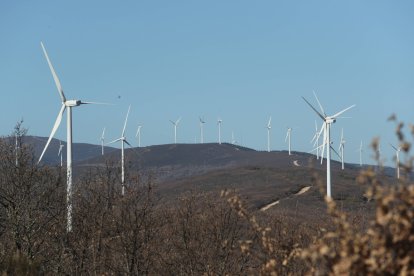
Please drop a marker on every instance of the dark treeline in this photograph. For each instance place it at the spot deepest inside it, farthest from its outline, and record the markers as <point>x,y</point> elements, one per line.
<point>198,233</point>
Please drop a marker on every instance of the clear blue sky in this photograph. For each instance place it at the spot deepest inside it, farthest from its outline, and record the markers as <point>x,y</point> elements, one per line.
<point>241,60</point>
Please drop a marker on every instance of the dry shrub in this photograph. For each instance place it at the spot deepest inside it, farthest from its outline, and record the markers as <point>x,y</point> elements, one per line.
<point>385,247</point>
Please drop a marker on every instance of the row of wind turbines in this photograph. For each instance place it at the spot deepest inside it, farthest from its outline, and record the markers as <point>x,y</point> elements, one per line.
<point>67,105</point>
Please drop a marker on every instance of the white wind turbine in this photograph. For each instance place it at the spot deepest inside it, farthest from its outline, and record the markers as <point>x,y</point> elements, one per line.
<point>326,128</point>
<point>60,153</point>
<point>175,124</point>
<point>315,140</point>
<point>219,121</point>
<point>341,147</point>
<point>103,140</point>
<point>397,159</point>
<point>269,126</point>
<point>123,141</point>
<point>138,135</point>
<point>202,122</point>
<point>288,136</point>
<point>66,105</point>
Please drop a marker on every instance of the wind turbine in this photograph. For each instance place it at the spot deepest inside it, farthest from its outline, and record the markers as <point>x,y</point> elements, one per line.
<point>175,128</point>
<point>341,147</point>
<point>66,105</point>
<point>315,139</point>
<point>123,141</point>
<point>219,121</point>
<point>288,135</point>
<point>326,128</point>
<point>60,153</point>
<point>202,122</point>
<point>397,159</point>
<point>138,134</point>
<point>269,126</point>
<point>103,140</point>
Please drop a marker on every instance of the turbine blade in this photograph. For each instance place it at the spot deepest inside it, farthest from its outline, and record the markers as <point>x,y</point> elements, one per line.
<point>55,127</point>
<point>126,142</point>
<point>55,77</point>
<point>319,103</point>
<point>314,109</point>
<point>126,119</point>
<point>340,112</point>
<point>178,121</point>
<point>270,121</point>
<point>324,141</point>
<point>172,122</point>
<point>103,133</point>
<point>287,134</point>
<point>82,102</point>
<point>393,147</point>
<point>116,140</point>
<point>336,152</point>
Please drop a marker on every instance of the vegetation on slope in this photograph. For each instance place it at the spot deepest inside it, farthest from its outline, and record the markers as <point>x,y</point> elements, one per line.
<point>198,233</point>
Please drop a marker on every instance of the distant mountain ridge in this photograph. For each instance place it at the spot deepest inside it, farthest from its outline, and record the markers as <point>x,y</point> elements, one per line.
<point>175,161</point>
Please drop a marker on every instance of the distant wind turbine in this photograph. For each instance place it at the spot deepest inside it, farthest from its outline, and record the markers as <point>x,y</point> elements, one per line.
<point>288,137</point>
<point>202,122</point>
<point>175,124</point>
<point>326,128</point>
<point>341,147</point>
<point>60,153</point>
<point>103,140</point>
<point>138,135</point>
<point>397,159</point>
<point>269,126</point>
<point>123,141</point>
<point>66,105</point>
<point>219,121</point>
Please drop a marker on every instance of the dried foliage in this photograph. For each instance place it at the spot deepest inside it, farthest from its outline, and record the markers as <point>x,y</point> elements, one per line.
<point>199,233</point>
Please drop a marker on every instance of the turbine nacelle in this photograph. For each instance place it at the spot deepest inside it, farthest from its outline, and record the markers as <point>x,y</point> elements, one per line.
<point>72,103</point>
<point>330,120</point>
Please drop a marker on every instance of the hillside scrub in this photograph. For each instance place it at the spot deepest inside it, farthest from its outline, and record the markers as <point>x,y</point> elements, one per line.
<point>384,247</point>
<point>197,233</point>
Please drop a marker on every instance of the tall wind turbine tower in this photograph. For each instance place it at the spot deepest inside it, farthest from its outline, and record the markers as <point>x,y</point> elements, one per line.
<point>326,128</point>
<point>202,122</point>
<point>60,153</point>
<point>103,140</point>
<point>397,159</point>
<point>66,105</point>
<point>219,121</point>
<point>138,135</point>
<point>123,142</point>
<point>360,154</point>
<point>341,147</point>
<point>288,136</point>
<point>175,124</point>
